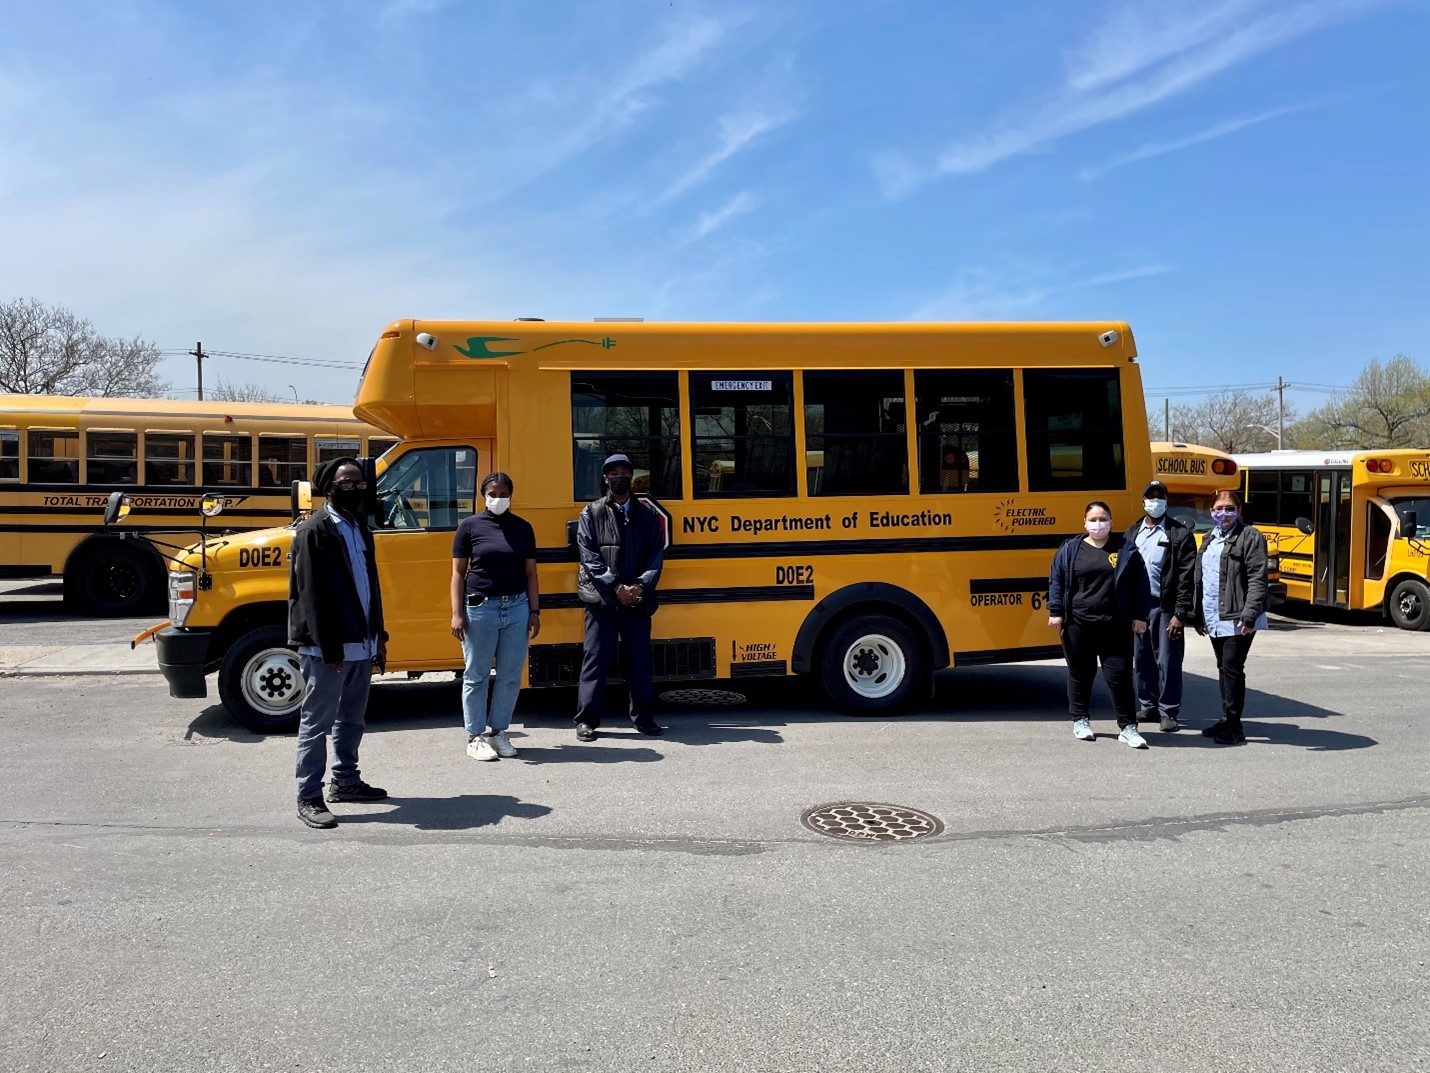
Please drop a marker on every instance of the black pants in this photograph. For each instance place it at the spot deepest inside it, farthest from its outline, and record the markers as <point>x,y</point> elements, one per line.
<point>1231,671</point>
<point>603,626</point>
<point>1084,644</point>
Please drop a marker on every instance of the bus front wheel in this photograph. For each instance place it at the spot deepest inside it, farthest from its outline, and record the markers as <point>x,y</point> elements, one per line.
<point>115,578</point>
<point>1409,605</point>
<point>260,681</point>
<point>873,665</point>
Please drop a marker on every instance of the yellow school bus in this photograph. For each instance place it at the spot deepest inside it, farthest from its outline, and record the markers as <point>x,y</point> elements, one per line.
<point>1352,528</point>
<point>858,503</point>
<point>1193,476</point>
<point>60,457</point>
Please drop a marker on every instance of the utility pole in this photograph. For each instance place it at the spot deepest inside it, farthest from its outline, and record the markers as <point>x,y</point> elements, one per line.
<point>1166,419</point>
<point>1281,387</point>
<point>198,353</point>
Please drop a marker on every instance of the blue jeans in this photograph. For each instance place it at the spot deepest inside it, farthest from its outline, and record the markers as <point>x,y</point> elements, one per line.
<point>334,705</point>
<point>496,631</point>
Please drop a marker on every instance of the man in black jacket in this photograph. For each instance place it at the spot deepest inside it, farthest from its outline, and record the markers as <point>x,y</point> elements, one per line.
<point>622,548</point>
<point>1169,549</point>
<point>335,620</point>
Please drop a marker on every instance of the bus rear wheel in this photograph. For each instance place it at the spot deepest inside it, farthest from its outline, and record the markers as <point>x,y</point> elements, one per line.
<point>114,579</point>
<point>260,681</point>
<point>873,665</point>
<point>1409,605</point>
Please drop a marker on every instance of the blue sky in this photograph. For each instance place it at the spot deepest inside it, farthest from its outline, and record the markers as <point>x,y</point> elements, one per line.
<point>1245,181</point>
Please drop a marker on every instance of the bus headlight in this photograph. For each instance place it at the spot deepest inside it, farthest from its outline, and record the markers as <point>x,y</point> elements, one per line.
<point>182,587</point>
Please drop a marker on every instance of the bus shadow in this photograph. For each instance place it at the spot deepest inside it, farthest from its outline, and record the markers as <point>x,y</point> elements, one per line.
<point>465,812</point>
<point>1299,616</point>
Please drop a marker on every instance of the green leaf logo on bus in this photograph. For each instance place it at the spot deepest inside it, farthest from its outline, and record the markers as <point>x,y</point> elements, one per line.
<point>479,346</point>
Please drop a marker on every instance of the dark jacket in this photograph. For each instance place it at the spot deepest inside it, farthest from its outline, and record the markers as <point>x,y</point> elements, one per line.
<point>1178,588</point>
<point>323,606</point>
<point>1241,593</point>
<point>615,552</point>
<point>1129,578</point>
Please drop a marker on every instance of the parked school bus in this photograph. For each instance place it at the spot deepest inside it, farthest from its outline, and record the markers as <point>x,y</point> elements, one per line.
<point>862,504</point>
<point>60,456</point>
<point>1193,476</point>
<point>1351,528</point>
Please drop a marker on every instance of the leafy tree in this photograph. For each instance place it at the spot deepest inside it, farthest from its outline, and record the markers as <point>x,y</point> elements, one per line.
<point>1387,405</point>
<point>246,392</point>
<point>47,350</point>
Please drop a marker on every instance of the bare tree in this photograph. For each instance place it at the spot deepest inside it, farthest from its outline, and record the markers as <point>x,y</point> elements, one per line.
<point>1387,405</point>
<point>246,392</point>
<point>47,350</point>
<point>1230,421</point>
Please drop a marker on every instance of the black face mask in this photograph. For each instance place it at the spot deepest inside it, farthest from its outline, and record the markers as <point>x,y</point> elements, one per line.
<point>348,500</point>
<point>619,486</point>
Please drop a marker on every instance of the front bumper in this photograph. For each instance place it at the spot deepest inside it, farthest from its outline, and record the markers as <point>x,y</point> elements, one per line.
<point>1275,593</point>
<point>182,655</point>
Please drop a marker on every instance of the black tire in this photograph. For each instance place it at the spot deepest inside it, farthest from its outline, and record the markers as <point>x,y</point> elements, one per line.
<point>874,665</point>
<point>115,578</point>
<point>1409,604</point>
<point>260,683</point>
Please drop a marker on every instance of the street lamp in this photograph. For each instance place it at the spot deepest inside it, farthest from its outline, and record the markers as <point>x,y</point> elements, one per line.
<point>295,392</point>
<point>1268,428</point>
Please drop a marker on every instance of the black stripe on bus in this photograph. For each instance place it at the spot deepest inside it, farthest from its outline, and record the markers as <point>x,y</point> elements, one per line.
<point>281,513</point>
<point>1006,655</point>
<point>214,531</point>
<point>1007,584</point>
<point>195,490</point>
<point>745,594</point>
<point>877,546</point>
<point>1298,555</point>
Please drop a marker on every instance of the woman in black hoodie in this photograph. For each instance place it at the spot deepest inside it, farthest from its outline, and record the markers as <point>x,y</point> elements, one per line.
<point>1098,597</point>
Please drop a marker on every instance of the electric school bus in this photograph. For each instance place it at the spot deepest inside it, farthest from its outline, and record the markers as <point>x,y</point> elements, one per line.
<point>861,504</point>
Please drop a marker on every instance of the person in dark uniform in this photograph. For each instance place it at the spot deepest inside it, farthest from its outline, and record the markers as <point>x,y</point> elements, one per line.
<point>621,543</point>
<point>335,622</point>
<point>1169,551</point>
<point>1098,598</point>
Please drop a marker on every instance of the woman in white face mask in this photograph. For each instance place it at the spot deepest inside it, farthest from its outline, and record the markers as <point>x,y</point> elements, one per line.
<point>1098,597</point>
<point>496,612</point>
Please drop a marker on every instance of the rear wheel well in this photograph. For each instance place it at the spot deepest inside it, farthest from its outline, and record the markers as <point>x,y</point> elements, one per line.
<point>240,621</point>
<point>134,557</point>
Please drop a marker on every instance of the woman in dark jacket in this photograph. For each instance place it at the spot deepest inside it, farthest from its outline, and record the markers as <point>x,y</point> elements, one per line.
<point>1098,597</point>
<point>1231,605</point>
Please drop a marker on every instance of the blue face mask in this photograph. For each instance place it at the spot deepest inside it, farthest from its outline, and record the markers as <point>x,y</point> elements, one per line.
<point>1224,519</point>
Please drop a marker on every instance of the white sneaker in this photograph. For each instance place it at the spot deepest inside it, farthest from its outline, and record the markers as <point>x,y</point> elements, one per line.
<point>1082,730</point>
<point>478,749</point>
<point>1132,736</point>
<point>498,740</point>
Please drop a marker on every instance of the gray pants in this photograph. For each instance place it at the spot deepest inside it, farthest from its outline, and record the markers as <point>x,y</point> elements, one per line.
<point>1157,664</point>
<point>334,702</point>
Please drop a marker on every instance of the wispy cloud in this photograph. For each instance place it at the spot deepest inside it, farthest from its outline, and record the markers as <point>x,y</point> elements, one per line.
<point>1185,47</point>
<point>738,132</point>
<point>1219,130</point>
<point>712,221</point>
<point>990,293</point>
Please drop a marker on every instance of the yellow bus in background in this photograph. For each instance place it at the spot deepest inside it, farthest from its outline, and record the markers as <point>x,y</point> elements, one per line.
<point>61,456</point>
<point>1351,528</point>
<point>1193,476</point>
<point>859,503</point>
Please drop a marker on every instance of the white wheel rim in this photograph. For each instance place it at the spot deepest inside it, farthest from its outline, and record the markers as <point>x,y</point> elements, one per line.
<point>874,666</point>
<point>273,681</point>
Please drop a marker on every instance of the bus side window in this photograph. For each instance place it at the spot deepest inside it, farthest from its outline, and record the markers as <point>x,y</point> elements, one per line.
<point>54,456</point>
<point>427,488</point>
<point>113,457</point>
<point>634,414</point>
<point>1074,420</point>
<point>168,458</point>
<point>743,425</point>
<point>855,442</point>
<point>9,454</point>
<point>228,460</point>
<point>968,439</point>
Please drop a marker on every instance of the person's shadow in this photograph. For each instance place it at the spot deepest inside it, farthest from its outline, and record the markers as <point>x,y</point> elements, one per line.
<point>463,813</point>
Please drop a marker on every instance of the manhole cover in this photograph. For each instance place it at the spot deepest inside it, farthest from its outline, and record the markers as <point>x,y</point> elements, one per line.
<point>710,697</point>
<point>858,821</point>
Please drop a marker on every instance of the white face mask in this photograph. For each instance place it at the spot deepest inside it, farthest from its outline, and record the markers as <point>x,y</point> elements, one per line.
<point>498,504</point>
<point>1155,508</point>
<point>1098,530</point>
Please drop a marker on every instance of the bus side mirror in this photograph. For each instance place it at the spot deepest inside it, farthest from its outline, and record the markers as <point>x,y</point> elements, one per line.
<point>212,506</point>
<point>1304,526</point>
<point>300,499</point>
<point>116,508</point>
<point>1409,524</point>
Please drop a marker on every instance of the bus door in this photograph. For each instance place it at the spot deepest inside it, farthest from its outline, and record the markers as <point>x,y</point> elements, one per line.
<point>1333,537</point>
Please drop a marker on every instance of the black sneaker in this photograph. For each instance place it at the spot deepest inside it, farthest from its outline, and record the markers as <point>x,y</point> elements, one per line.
<point>1231,734</point>
<point>355,791</point>
<point>314,813</point>
<point>649,727</point>
<point>1215,729</point>
<point>585,732</point>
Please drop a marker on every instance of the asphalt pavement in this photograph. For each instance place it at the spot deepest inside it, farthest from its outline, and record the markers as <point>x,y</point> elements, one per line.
<point>657,904</point>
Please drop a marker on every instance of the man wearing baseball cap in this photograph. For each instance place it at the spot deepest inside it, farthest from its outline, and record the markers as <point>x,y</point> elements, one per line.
<point>622,547</point>
<point>1169,550</point>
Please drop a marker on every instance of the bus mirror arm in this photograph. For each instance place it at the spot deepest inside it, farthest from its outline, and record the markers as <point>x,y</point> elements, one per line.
<point>1304,526</point>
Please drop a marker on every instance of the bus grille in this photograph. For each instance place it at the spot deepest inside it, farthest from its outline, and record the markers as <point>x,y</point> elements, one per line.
<point>676,660</point>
